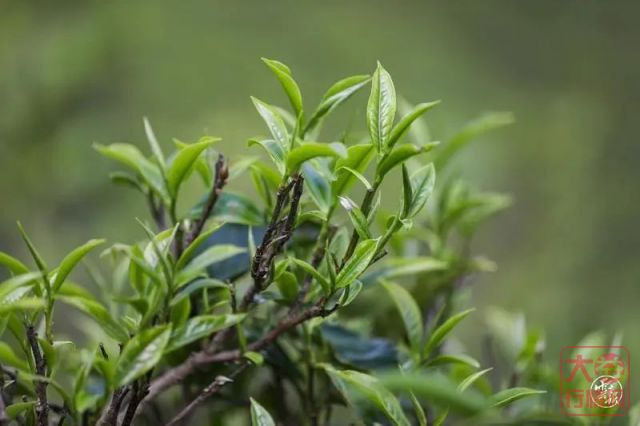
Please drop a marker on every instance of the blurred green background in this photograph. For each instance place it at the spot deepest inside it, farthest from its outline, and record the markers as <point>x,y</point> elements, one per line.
<point>76,72</point>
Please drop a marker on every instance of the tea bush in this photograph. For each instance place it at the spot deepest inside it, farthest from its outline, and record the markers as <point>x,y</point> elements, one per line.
<point>293,304</point>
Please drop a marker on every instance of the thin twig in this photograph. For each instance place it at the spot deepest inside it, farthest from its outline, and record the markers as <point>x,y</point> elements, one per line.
<point>109,416</point>
<point>220,180</point>
<point>202,358</point>
<point>213,388</point>
<point>42,406</point>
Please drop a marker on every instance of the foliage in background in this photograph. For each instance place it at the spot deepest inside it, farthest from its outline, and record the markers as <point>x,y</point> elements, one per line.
<point>276,307</point>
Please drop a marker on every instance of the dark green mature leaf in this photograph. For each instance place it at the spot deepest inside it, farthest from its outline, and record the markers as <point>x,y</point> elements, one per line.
<point>472,130</point>
<point>372,389</point>
<point>141,354</point>
<point>310,150</point>
<point>407,192</point>
<point>402,154</point>
<point>403,125</point>
<point>153,143</point>
<point>232,207</point>
<point>274,122</point>
<point>358,158</point>
<point>283,73</point>
<point>410,313</point>
<point>184,161</point>
<point>508,396</point>
<point>337,94</point>
<point>422,184</point>
<point>200,326</point>
<point>275,150</point>
<point>381,109</point>
<point>259,415</point>
<point>359,221</point>
<point>99,313</point>
<point>357,350</point>
<point>357,263</point>
<point>435,388</point>
<point>131,157</point>
<point>71,260</point>
<point>441,332</point>
<point>14,265</point>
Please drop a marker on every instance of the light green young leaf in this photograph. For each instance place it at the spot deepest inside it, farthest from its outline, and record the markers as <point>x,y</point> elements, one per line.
<point>318,186</point>
<point>141,354</point>
<point>259,415</point>
<point>14,410</point>
<point>15,266</point>
<point>403,125</point>
<point>71,260</point>
<point>358,176</point>
<point>373,390</point>
<point>359,221</point>
<point>200,284</point>
<point>454,359</point>
<point>22,305</point>
<point>18,286</point>
<point>288,285</point>
<point>42,266</point>
<point>357,159</point>
<point>275,150</point>
<point>508,396</point>
<point>422,184</point>
<point>9,358</point>
<point>350,293</point>
<point>337,94</point>
<point>401,154</point>
<point>438,335</point>
<point>274,122</point>
<point>99,313</point>
<point>410,313</point>
<point>471,379</point>
<point>472,130</point>
<point>256,358</point>
<point>381,109</point>
<point>310,150</point>
<point>191,249</point>
<point>183,163</point>
<point>211,255</point>
<point>402,266</point>
<point>283,73</point>
<point>153,143</point>
<point>200,326</point>
<point>324,283</point>
<point>357,263</point>
<point>437,389</point>
<point>131,157</point>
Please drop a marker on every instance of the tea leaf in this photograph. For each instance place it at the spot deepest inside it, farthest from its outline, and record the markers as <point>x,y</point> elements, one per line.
<point>275,151</point>
<point>357,159</point>
<point>283,73</point>
<point>99,313</point>
<point>200,326</point>
<point>441,332</point>
<point>153,143</point>
<point>183,163</point>
<point>310,150</point>
<point>358,219</point>
<point>141,354</point>
<point>71,260</point>
<point>274,122</point>
<point>471,379</point>
<point>381,108</point>
<point>14,265</point>
<point>410,313</point>
<point>400,155</point>
<point>357,263</point>
<point>403,125</point>
<point>259,415</point>
<point>508,396</point>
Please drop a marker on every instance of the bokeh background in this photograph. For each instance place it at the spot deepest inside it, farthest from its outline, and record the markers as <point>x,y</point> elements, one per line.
<point>76,72</point>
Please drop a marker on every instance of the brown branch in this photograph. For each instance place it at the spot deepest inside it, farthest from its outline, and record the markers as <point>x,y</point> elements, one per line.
<point>213,388</point>
<point>220,180</point>
<point>109,416</point>
<point>276,236</point>
<point>42,406</point>
<point>202,358</point>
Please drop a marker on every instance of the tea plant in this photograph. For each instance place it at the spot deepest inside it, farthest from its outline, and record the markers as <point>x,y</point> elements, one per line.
<point>279,306</point>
